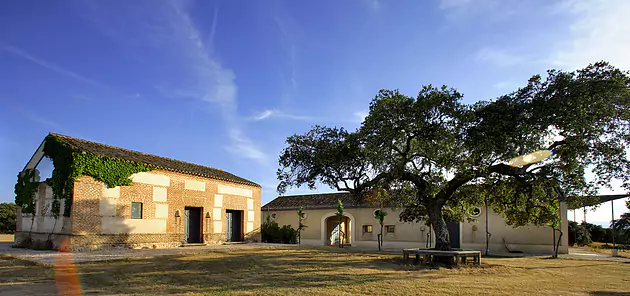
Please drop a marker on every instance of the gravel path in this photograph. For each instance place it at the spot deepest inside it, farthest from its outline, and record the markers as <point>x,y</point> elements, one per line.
<point>577,253</point>
<point>48,257</point>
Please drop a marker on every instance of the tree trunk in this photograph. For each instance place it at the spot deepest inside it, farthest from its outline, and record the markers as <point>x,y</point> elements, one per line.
<point>442,241</point>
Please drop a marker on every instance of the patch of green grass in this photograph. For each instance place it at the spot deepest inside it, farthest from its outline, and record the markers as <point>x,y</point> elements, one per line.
<point>328,271</point>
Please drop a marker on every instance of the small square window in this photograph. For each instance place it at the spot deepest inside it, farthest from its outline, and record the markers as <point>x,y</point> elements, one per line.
<point>367,228</point>
<point>136,210</point>
<point>390,228</point>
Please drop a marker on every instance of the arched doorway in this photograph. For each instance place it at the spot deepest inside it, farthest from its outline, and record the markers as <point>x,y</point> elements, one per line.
<point>337,232</point>
<point>330,220</point>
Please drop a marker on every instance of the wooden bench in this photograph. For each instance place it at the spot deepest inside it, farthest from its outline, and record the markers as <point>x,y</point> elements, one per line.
<point>426,254</point>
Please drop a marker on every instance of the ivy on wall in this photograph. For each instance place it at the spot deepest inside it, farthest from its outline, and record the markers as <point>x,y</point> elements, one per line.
<point>70,163</point>
<point>25,190</point>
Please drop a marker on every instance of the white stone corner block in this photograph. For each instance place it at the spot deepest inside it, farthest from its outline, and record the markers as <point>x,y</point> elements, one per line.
<point>161,211</point>
<point>159,194</point>
<point>107,207</point>
<point>231,190</point>
<point>250,216</point>
<point>153,179</point>
<point>217,214</point>
<point>111,192</point>
<point>194,185</point>
<point>250,227</point>
<point>217,227</point>
<point>218,200</point>
<point>250,204</point>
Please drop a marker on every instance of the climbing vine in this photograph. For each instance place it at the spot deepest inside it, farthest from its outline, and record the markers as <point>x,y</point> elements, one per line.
<point>70,163</point>
<point>25,189</point>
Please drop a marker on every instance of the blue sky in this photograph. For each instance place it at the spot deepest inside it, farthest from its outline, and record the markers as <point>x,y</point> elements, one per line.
<point>223,83</point>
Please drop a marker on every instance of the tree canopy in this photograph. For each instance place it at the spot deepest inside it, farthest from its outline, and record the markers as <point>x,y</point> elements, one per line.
<point>438,156</point>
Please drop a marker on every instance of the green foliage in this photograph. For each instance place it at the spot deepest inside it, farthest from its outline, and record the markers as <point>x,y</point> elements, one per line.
<point>8,212</point>
<point>288,234</point>
<point>340,216</point>
<point>25,190</point>
<point>579,234</point>
<point>439,157</point>
<point>301,226</point>
<point>271,232</point>
<point>380,215</point>
<point>70,164</point>
<point>623,223</point>
<point>300,213</point>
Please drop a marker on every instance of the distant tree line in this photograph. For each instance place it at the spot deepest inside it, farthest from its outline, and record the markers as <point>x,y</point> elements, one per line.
<point>586,233</point>
<point>8,212</point>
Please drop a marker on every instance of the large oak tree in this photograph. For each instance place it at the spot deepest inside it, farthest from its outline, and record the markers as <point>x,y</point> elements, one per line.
<point>438,156</point>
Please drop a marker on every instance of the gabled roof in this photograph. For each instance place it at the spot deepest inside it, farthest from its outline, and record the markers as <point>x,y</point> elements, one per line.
<point>314,201</point>
<point>157,162</point>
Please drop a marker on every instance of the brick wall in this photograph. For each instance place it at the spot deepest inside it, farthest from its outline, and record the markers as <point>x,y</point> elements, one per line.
<point>101,217</point>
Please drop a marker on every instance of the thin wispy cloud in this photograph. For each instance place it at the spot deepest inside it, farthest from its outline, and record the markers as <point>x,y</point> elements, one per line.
<point>289,47</point>
<point>360,115</point>
<point>453,4</point>
<point>167,30</point>
<point>599,31</point>
<point>49,65</point>
<point>275,113</point>
<point>243,146</point>
<point>38,119</point>
<point>504,85</point>
<point>498,57</point>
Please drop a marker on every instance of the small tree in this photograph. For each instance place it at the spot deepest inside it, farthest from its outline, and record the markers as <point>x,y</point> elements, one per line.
<point>301,226</point>
<point>380,216</point>
<point>7,217</point>
<point>340,224</point>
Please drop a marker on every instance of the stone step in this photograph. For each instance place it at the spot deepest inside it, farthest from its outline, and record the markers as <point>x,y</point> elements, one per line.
<point>193,245</point>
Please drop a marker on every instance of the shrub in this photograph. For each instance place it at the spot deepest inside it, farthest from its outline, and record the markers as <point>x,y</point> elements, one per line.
<point>289,235</point>
<point>270,232</point>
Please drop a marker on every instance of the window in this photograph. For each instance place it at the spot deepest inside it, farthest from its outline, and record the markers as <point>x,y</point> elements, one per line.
<point>274,216</point>
<point>367,228</point>
<point>136,210</point>
<point>390,228</point>
<point>476,212</point>
<point>304,215</point>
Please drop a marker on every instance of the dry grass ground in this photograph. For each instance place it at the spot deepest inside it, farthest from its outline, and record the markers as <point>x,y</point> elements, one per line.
<point>597,247</point>
<point>6,238</point>
<point>306,271</point>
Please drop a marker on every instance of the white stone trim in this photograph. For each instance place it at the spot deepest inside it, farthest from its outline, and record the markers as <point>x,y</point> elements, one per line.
<point>107,207</point>
<point>231,190</point>
<point>159,194</point>
<point>218,200</point>
<point>117,225</point>
<point>161,211</point>
<point>217,227</point>
<point>150,178</point>
<point>111,192</point>
<point>217,214</point>
<point>250,216</point>
<point>250,204</point>
<point>194,185</point>
<point>250,227</point>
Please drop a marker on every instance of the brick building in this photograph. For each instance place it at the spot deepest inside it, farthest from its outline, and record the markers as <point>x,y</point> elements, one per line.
<point>173,204</point>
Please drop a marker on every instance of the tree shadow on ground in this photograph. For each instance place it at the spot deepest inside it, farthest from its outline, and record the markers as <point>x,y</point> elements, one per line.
<point>224,272</point>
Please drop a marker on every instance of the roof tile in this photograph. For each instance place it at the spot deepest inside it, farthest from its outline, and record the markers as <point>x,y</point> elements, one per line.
<point>152,160</point>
